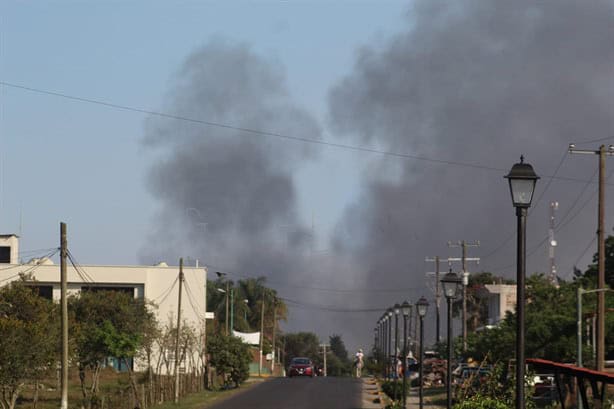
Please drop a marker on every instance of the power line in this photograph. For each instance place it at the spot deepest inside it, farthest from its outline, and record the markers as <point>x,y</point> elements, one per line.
<point>162,297</point>
<point>537,202</point>
<point>590,244</point>
<point>335,290</point>
<point>265,133</point>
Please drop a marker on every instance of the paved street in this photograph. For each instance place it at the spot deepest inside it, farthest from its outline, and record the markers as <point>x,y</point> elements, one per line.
<point>299,393</point>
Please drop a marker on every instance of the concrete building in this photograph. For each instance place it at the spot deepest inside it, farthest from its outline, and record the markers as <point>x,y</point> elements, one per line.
<point>158,284</point>
<point>501,299</point>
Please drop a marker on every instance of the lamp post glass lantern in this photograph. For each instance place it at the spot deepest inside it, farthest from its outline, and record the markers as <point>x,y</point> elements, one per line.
<point>422,306</point>
<point>406,309</point>
<point>522,180</point>
<point>450,283</point>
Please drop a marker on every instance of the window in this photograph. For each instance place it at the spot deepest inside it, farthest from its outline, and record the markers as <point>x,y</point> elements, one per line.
<point>5,254</point>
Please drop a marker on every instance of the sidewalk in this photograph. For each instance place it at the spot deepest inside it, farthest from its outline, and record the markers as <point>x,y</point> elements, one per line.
<point>371,394</point>
<point>374,398</point>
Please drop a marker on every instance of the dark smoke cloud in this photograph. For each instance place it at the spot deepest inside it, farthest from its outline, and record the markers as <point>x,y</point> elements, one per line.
<point>476,82</point>
<point>227,196</point>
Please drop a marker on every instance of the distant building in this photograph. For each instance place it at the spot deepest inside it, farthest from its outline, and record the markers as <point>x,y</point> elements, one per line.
<point>154,283</point>
<point>501,299</point>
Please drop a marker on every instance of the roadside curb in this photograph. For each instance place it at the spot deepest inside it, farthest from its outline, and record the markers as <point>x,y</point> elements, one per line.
<point>372,395</point>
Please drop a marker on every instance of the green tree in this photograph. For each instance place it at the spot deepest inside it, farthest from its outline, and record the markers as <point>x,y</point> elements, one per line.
<point>247,315</point>
<point>108,324</point>
<point>550,325</point>
<point>591,272</point>
<point>230,357</point>
<point>339,363</point>
<point>303,344</point>
<point>28,344</point>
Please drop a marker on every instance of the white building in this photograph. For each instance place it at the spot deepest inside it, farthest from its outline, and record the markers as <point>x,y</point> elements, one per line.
<point>501,299</point>
<point>158,284</point>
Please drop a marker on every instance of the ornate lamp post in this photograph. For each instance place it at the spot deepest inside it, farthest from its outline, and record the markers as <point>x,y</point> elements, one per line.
<point>450,283</point>
<point>522,180</point>
<point>406,308</point>
<point>397,310</point>
<point>389,348</point>
<point>422,306</point>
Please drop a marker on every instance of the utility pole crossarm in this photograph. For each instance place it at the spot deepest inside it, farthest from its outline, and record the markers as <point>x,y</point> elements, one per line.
<point>437,260</point>
<point>464,259</point>
<point>602,152</point>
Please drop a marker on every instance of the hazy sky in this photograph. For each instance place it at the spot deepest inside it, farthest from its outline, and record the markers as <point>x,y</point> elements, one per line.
<point>440,101</point>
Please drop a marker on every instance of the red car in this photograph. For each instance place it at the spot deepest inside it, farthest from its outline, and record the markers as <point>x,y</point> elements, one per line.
<point>301,367</point>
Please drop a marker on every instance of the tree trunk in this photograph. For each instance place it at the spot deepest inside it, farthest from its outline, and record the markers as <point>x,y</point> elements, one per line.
<point>133,384</point>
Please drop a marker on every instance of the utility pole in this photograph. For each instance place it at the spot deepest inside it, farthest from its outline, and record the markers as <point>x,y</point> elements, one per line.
<point>178,332</point>
<point>437,260</point>
<point>232,308</point>
<point>261,334</point>
<point>324,346</point>
<point>602,152</point>
<point>552,244</point>
<point>64,302</point>
<point>464,259</point>
<point>274,327</point>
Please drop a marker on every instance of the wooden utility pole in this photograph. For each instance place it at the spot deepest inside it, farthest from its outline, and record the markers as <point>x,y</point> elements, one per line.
<point>436,259</point>
<point>324,346</point>
<point>274,327</point>
<point>64,303</point>
<point>463,244</point>
<point>177,360</point>
<point>261,334</point>
<point>602,152</point>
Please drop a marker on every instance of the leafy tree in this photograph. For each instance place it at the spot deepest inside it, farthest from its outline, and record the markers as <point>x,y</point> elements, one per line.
<point>108,324</point>
<point>247,315</point>
<point>339,363</point>
<point>230,356</point>
<point>591,272</point>
<point>304,344</point>
<point>550,325</point>
<point>28,344</point>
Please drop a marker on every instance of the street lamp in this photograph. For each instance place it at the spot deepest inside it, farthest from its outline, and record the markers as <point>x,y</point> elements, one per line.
<point>397,310</point>
<point>450,283</point>
<point>219,276</point>
<point>246,302</point>
<point>422,306</point>
<point>406,308</point>
<point>522,180</point>
<point>389,348</point>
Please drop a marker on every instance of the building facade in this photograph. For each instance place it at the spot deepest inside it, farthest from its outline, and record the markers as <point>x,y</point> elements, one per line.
<point>157,284</point>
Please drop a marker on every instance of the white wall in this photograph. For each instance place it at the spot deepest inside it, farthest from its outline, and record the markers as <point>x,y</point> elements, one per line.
<point>154,283</point>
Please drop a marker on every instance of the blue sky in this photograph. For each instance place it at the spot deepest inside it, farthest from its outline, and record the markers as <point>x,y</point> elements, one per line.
<point>80,163</point>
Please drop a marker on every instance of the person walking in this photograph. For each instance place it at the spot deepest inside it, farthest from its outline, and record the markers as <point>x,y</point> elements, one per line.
<point>358,362</point>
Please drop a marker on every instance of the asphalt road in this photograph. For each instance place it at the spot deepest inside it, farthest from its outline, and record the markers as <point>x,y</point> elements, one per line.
<point>298,393</point>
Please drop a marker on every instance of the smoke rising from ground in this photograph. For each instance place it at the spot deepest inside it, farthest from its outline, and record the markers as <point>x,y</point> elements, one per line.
<point>471,82</point>
<point>480,83</point>
<point>227,196</point>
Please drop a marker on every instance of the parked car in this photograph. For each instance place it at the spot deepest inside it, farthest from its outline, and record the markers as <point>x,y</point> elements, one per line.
<point>301,366</point>
<point>469,381</point>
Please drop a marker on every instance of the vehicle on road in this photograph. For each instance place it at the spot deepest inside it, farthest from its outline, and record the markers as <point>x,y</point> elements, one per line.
<point>301,366</point>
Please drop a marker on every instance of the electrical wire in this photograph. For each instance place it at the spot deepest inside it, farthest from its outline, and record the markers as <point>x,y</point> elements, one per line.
<point>537,202</point>
<point>79,269</point>
<point>162,297</point>
<point>31,268</point>
<point>590,244</point>
<point>192,301</point>
<point>266,133</point>
<point>335,290</point>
